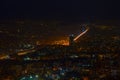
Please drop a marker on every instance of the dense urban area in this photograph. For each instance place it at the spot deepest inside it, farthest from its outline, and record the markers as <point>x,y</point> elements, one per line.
<point>48,50</point>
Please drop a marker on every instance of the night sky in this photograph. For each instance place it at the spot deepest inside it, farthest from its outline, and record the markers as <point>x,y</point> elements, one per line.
<point>58,9</point>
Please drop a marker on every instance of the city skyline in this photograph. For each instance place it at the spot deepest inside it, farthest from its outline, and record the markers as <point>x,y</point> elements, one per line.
<point>59,40</point>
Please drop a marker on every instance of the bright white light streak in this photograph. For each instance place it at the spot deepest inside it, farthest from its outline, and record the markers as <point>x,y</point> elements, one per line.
<point>81,34</point>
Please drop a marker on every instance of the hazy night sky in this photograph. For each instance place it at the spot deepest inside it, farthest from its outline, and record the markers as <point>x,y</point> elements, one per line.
<point>58,9</point>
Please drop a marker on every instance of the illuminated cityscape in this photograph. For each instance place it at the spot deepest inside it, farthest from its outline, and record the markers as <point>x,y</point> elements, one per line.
<point>59,40</point>
<point>92,55</point>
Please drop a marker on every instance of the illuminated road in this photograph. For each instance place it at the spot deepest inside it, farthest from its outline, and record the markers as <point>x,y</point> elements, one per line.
<point>25,52</point>
<point>81,34</point>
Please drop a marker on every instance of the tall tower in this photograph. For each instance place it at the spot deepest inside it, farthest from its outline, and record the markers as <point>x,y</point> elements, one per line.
<point>71,40</point>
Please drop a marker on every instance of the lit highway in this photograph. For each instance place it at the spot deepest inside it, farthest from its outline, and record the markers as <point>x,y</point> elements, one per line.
<point>81,34</point>
<point>25,52</point>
